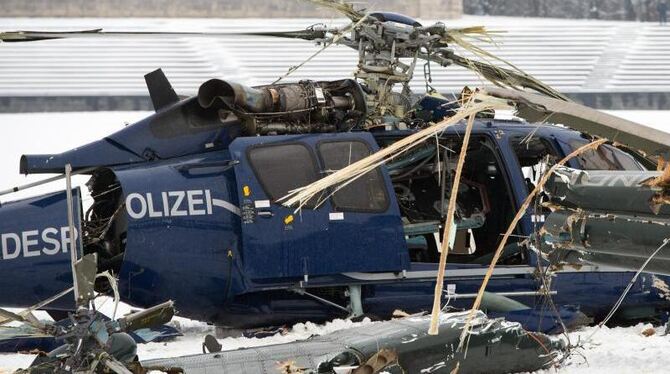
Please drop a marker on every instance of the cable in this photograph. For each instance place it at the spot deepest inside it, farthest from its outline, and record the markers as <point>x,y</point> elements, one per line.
<point>628,287</point>
<point>334,40</point>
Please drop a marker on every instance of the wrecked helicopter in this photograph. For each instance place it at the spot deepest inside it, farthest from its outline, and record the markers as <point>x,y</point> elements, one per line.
<point>187,201</point>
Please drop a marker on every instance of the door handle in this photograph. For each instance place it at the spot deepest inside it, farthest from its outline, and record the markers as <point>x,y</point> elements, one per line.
<point>265,214</point>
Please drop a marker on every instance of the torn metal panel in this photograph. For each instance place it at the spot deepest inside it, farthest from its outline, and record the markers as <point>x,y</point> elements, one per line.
<point>575,257</point>
<point>539,108</point>
<point>496,346</point>
<point>622,235</point>
<point>597,190</point>
<point>608,218</point>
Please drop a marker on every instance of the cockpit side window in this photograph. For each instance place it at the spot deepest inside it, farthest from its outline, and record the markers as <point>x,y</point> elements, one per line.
<point>365,194</point>
<point>535,155</point>
<point>283,167</point>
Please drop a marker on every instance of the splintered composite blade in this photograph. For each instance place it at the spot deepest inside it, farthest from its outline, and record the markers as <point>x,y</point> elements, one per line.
<point>507,77</point>
<point>343,7</point>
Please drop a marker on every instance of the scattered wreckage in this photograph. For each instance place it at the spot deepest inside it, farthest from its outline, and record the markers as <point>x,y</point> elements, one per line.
<point>93,344</point>
<point>585,226</point>
<point>89,341</point>
<point>397,346</point>
<point>200,181</point>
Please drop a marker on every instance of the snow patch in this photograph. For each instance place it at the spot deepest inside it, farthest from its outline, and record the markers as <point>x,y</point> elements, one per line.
<point>617,350</point>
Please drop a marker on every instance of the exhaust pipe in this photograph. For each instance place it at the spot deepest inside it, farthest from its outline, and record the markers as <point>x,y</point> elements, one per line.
<point>235,95</point>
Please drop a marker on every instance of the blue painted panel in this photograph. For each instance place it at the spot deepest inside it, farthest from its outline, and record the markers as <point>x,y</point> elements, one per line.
<point>35,249</point>
<point>182,240</point>
<point>593,293</point>
<point>180,130</point>
<point>315,243</point>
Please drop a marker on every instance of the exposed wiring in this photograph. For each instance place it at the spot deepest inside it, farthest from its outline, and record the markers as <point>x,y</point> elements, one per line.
<point>520,214</point>
<point>628,287</point>
<point>543,271</point>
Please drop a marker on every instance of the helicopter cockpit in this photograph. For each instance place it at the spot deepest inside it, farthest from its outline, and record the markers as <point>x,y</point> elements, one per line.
<point>422,180</point>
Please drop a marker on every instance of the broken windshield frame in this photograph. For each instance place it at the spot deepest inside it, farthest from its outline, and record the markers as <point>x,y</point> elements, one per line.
<point>606,157</point>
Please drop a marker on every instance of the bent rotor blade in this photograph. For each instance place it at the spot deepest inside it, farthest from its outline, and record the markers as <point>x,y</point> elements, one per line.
<point>29,319</point>
<point>536,108</point>
<point>503,77</point>
<point>40,305</point>
<point>30,36</point>
<point>11,316</point>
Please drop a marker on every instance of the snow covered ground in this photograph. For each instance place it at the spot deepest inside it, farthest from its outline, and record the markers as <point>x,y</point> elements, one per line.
<point>610,351</point>
<point>617,350</point>
<point>194,333</point>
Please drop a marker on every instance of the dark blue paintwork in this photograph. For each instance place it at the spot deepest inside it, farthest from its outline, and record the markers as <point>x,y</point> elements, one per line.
<point>395,17</point>
<point>39,267</point>
<point>193,259</point>
<point>221,270</point>
<point>306,246</point>
<point>179,130</point>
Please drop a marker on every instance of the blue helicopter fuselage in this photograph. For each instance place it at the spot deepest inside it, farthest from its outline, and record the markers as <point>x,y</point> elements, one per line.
<point>206,230</point>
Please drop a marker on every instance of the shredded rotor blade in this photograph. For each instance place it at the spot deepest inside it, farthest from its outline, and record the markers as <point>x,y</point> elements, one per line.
<point>507,78</point>
<point>343,7</point>
<point>512,77</point>
<point>535,108</point>
<point>463,37</point>
<point>448,227</point>
<point>516,77</point>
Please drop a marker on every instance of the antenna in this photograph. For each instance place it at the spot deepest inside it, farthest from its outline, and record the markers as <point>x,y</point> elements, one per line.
<point>70,222</point>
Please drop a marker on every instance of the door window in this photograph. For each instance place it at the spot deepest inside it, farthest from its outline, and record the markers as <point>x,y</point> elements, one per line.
<point>365,194</point>
<point>283,167</point>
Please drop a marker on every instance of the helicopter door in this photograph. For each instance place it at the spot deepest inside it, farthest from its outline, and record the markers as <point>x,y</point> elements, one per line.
<point>337,237</point>
<point>268,168</point>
